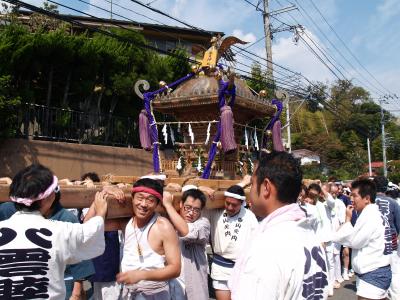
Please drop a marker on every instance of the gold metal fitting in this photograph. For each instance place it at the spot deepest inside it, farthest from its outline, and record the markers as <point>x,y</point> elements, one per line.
<point>162,84</point>
<point>194,68</point>
<point>263,93</point>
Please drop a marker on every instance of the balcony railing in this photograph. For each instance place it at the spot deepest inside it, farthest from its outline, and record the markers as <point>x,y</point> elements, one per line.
<point>64,125</point>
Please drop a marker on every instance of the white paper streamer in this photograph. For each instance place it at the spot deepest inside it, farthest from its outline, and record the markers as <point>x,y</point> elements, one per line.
<point>191,134</point>
<point>255,139</point>
<point>179,127</point>
<point>198,168</point>
<point>164,131</point>
<point>172,135</point>
<point>246,139</point>
<point>179,164</point>
<point>251,165</point>
<point>208,134</point>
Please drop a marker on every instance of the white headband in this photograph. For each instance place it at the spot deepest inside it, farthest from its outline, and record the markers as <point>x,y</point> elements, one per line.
<point>161,177</point>
<point>189,187</point>
<point>235,196</point>
<point>28,201</point>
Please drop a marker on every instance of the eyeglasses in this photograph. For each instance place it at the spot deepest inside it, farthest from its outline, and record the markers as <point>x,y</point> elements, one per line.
<point>194,210</point>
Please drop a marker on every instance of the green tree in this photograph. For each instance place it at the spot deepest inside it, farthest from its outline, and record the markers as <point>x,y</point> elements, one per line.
<point>9,104</point>
<point>259,81</point>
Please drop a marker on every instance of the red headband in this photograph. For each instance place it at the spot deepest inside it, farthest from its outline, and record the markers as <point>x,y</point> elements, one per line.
<point>147,190</point>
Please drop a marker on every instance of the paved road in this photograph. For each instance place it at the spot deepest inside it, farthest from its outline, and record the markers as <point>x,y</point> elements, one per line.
<point>346,292</point>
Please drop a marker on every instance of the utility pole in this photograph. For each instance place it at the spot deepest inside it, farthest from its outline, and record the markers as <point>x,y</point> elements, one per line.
<point>369,158</point>
<point>383,138</point>
<point>268,41</point>
<point>111,9</point>
<point>289,136</point>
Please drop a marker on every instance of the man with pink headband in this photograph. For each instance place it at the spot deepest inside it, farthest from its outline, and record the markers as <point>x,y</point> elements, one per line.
<point>34,251</point>
<point>151,251</point>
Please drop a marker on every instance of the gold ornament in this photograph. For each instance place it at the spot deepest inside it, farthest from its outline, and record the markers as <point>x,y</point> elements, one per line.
<point>162,84</point>
<point>263,93</point>
<point>269,133</point>
<point>98,88</point>
<point>195,68</point>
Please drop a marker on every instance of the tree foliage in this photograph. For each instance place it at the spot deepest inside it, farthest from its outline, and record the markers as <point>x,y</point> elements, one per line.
<point>339,132</point>
<point>46,64</point>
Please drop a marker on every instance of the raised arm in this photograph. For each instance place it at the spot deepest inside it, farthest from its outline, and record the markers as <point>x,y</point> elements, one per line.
<point>179,223</point>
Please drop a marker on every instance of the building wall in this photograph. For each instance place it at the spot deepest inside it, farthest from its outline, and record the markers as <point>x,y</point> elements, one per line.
<point>68,160</point>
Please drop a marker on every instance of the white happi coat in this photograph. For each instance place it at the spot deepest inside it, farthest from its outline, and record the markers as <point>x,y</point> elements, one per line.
<point>367,240</point>
<point>229,236</point>
<point>34,252</point>
<point>283,261</point>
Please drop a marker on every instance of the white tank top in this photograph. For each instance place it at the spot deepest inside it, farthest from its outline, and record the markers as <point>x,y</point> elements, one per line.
<point>131,259</point>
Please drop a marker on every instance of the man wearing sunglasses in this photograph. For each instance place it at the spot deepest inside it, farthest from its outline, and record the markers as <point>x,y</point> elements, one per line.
<point>193,231</point>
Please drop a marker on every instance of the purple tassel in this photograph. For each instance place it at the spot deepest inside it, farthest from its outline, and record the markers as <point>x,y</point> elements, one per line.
<point>276,137</point>
<point>144,132</point>
<point>227,134</point>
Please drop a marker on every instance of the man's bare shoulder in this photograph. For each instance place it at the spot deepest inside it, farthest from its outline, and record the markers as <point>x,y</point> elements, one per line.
<point>164,225</point>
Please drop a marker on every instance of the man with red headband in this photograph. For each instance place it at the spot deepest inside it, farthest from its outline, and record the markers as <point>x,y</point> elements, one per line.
<point>34,251</point>
<point>151,251</point>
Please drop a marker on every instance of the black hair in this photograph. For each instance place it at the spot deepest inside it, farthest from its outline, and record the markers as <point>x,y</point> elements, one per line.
<point>195,194</point>
<point>381,183</point>
<point>316,187</point>
<point>283,170</point>
<point>150,183</point>
<point>29,183</point>
<point>393,193</point>
<point>366,187</point>
<point>236,189</point>
<point>92,176</point>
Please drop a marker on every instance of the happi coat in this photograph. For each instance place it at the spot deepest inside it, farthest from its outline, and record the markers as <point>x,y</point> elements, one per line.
<point>282,261</point>
<point>34,252</point>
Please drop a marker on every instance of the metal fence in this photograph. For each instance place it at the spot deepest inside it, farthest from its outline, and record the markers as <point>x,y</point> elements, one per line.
<point>58,124</point>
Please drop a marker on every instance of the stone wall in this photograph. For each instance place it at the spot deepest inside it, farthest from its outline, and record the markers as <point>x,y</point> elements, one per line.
<point>69,160</point>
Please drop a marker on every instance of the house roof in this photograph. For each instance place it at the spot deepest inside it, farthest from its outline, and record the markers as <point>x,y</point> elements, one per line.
<point>117,22</point>
<point>300,153</point>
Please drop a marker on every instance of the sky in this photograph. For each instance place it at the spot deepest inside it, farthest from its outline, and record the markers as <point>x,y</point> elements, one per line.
<point>366,28</point>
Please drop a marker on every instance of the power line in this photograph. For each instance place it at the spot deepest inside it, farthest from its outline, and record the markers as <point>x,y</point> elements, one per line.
<point>129,19</point>
<point>171,17</point>
<point>319,57</point>
<point>333,45</point>
<point>279,79</point>
<point>344,44</point>
<point>94,29</point>
<point>316,54</point>
<point>319,47</point>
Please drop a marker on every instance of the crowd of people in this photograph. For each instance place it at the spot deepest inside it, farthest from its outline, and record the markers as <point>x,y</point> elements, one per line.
<point>285,240</point>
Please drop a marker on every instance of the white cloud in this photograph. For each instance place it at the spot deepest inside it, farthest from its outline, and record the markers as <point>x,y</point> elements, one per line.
<point>248,37</point>
<point>178,8</point>
<point>388,9</point>
<point>297,57</point>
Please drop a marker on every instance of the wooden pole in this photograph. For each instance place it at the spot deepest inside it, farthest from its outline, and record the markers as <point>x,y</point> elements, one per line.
<point>82,197</point>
